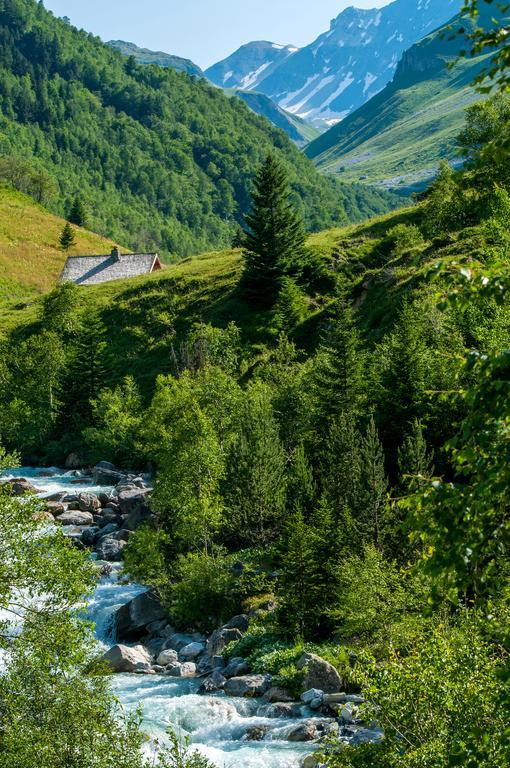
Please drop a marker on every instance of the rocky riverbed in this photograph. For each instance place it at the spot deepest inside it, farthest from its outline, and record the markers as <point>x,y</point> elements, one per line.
<point>181,680</point>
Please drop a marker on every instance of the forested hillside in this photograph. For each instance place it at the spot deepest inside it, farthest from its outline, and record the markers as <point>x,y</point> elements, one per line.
<point>164,162</point>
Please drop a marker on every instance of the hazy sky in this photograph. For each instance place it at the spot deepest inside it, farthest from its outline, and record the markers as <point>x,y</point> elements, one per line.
<point>204,30</point>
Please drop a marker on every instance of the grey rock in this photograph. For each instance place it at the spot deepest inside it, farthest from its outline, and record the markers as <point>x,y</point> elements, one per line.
<point>55,508</point>
<point>106,531</point>
<point>132,619</point>
<point>89,502</point>
<point>75,518</point>
<point>58,496</point>
<point>20,486</point>
<point>306,731</point>
<point>178,641</point>
<point>240,622</point>
<point>278,695</point>
<point>220,638</point>
<point>120,658</point>
<point>256,733</point>
<point>248,686</point>
<point>191,651</point>
<point>111,550</point>
<point>167,657</point>
<point>89,534</point>
<point>282,709</point>
<point>73,461</point>
<point>105,473</point>
<point>215,682</point>
<point>188,669</point>
<point>236,668</point>
<point>319,673</point>
<point>135,504</point>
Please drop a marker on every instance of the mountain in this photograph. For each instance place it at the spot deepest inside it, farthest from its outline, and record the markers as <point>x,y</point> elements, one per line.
<point>164,161</point>
<point>298,130</point>
<point>250,65</point>
<point>397,139</point>
<point>145,56</point>
<point>345,66</point>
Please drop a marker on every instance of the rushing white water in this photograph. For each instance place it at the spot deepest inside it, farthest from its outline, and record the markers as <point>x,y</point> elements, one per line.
<point>217,726</point>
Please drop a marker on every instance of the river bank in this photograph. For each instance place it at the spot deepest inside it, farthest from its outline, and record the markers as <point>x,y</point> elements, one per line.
<point>182,681</point>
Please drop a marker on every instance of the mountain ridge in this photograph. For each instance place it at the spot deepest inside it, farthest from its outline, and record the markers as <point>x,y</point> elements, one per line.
<point>160,58</point>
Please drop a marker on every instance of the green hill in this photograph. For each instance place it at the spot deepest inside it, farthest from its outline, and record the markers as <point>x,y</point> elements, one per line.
<point>161,59</point>
<point>397,139</point>
<point>164,161</point>
<point>30,257</point>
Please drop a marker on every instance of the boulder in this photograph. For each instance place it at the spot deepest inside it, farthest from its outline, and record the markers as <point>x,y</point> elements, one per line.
<point>248,687</point>
<point>57,496</point>
<point>215,682</point>
<point>132,619</point>
<point>73,461</point>
<point>237,667</point>
<point>75,517</point>
<point>88,535</point>
<point>134,502</point>
<point>191,651</point>
<point>313,698</point>
<point>220,638</point>
<point>282,709</point>
<point>305,731</point>
<point>105,473</point>
<point>240,622</point>
<point>120,658</point>
<point>311,761</point>
<point>106,531</point>
<point>21,486</point>
<point>179,640</point>
<point>167,657</point>
<point>188,669</point>
<point>111,550</point>
<point>256,733</point>
<point>89,502</point>
<point>278,695</point>
<point>319,673</point>
<point>56,508</point>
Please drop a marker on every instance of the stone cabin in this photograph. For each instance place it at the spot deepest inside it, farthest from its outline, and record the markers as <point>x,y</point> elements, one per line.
<point>90,270</point>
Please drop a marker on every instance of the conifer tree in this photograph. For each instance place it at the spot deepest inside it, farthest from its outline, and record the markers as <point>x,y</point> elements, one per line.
<point>372,510</point>
<point>337,381</point>
<point>275,240</point>
<point>67,238</point>
<point>298,590</point>
<point>414,459</point>
<point>290,307</point>
<point>77,213</point>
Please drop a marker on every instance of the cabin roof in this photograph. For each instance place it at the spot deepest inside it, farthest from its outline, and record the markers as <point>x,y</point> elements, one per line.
<point>90,270</point>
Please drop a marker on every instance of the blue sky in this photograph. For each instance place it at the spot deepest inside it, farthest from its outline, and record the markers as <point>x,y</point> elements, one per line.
<point>204,30</point>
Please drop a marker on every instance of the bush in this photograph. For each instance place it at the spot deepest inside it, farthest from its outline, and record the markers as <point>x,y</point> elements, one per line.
<point>403,238</point>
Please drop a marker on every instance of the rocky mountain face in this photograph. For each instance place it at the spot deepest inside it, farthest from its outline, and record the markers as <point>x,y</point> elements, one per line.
<point>145,56</point>
<point>250,65</point>
<point>341,70</point>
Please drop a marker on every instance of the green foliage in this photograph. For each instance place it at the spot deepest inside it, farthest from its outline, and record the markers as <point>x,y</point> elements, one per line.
<point>60,309</point>
<point>436,704</point>
<point>67,238</point>
<point>275,240</point>
<point>117,416</point>
<point>373,491</point>
<point>255,484</point>
<point>165,160</point>
<point>291,306</point>
<point>78,213</point>
<point>181,755</point>
<point>403,238</point>
<point>29,177</point>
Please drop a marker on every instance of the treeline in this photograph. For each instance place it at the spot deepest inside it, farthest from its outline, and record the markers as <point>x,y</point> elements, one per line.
<point>163,160</point>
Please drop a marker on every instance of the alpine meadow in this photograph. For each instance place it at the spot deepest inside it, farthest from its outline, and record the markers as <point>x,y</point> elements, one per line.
<point>255,388</point>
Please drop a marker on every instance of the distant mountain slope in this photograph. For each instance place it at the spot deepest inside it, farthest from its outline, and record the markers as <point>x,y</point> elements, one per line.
<point>249,65</point>
<point>164,161</point>
<point>398,138</point>
<point>146,56</point>
<point>296,129</point>
<point>345,66</point>
<point>30,257</point>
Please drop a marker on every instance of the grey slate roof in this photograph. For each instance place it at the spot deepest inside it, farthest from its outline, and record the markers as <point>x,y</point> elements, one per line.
<point>90,270</point>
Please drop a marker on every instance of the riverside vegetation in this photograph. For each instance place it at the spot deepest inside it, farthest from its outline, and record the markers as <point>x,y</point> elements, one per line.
<point>328,420</point>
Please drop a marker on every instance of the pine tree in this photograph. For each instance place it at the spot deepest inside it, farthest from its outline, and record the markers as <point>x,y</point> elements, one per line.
<point>291,306</point>
<point>275,241</point>
<point>78,214</point>
<point>341,471</point>
<point>67,238</point>
<point>297,589</point>
<point>414,459</point>
<point>337,380</point>
<point>372,510</point>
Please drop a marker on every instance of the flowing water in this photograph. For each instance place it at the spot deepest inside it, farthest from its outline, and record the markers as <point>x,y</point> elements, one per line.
<point>217,726</point>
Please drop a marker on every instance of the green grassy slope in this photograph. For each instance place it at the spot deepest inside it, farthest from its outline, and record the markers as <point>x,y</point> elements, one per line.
<point>30,258</point>
<point>397,139</point>
<point>147,317</point>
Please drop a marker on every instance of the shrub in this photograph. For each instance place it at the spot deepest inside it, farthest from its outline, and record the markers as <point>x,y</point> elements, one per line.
<point>403,238</point>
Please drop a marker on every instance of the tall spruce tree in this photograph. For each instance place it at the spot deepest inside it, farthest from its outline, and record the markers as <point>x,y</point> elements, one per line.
<point>337,379</point>
<point>78,213</point>
<point>373,507</point>
<point>275,240</point>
